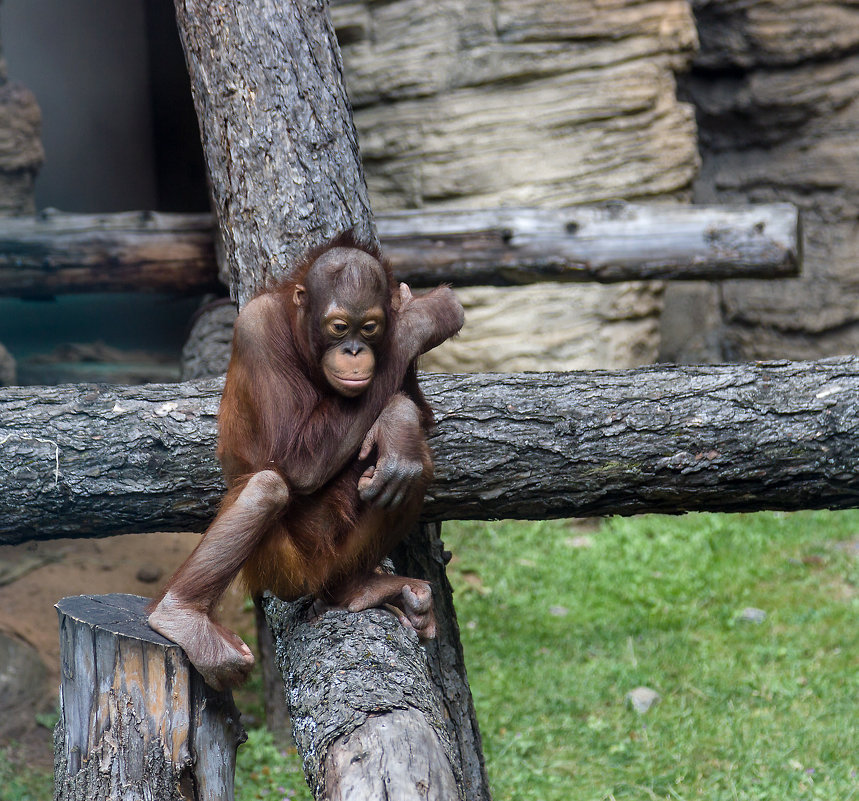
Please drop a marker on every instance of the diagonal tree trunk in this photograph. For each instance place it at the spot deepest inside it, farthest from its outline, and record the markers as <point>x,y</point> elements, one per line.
<point>286,175</point>
<point>280,147</point>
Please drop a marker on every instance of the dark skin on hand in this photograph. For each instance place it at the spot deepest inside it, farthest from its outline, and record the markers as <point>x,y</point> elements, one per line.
<point>322,441</point>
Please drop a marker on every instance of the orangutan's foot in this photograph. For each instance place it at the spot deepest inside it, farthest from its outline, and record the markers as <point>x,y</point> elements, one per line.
<point>219,655</point>
<point>410,598</point>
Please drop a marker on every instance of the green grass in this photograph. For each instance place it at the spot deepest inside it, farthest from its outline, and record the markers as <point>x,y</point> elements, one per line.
<point>18,782</point>
<point>749,711</point>
<point>267,770</point>
<point>556,634</point>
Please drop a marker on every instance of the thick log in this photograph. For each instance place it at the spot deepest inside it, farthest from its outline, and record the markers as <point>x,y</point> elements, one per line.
<point>422,555</point>
<point>95,460</point>
<point>54,253</point>
<point>607,243</point>
<point>286,174</point>
<point>343,671</point>
<point>278,138</point>
<point>136,720</point>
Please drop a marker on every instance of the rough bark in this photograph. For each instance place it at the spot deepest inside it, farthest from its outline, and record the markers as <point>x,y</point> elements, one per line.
<point>54,253</point>
<point>206,352</point>
<point>348,674</point>
<point>278,138</point>
<point>610,243</point>
<point>96,460</point>
<point>422,555</point>
<point>392,756</point>
<point>136,720</point>
<point>286,175</point>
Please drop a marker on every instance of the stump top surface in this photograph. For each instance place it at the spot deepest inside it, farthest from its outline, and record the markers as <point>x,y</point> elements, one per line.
<point>117,613</point>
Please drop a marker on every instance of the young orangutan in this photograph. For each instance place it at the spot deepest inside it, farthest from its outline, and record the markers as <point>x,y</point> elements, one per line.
<point>322,440</point>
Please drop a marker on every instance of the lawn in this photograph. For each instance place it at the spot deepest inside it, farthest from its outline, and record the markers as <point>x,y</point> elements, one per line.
<point>560,624</point>
<point>561,620</point>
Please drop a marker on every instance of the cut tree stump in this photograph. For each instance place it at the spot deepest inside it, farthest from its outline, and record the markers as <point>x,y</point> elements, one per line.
<point>136,720</point>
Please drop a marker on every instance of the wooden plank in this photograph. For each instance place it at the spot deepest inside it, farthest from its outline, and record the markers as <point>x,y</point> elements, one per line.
<point>55,253</point>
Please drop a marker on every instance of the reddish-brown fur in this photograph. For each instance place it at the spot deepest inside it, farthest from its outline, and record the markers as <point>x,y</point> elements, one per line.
<point>294,520</point>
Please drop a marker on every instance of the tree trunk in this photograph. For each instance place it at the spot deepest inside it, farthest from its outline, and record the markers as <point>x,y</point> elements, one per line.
<point>286,175</point>
<point>278,138</point>
<point>96,460</point>
<point>422,555</point>
<point>136,720</point>
<point>54,253</point>
<point>365,715</point>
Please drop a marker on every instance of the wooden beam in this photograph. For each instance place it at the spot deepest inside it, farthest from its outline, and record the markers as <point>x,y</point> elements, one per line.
<point>55,253</point>
<point>96,460</point>
<point>608,243</point>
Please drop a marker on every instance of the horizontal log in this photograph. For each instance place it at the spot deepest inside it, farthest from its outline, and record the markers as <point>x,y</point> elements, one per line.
<point>609,243</point>
<point>54,253</point>
<point>97,460</point>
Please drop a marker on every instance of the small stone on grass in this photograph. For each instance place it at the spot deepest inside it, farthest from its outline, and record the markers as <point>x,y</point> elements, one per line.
<point>642,698</point>
<point>752,615</point>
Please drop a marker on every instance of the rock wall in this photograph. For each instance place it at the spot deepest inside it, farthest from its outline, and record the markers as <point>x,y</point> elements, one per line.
<point>776,86</point>
<point>475,103</point>
<point>21,152</point>
<point>21,155</point>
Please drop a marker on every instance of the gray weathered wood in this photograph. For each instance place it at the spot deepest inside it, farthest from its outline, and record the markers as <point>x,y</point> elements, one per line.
<point>278,137</point>
<point>397,767</point>
<point>356,682</point>
<point>422,555</point>
<point>95,460</point>
<point>136,720</point>
<point>54,253</point>
<point>606,243</point>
